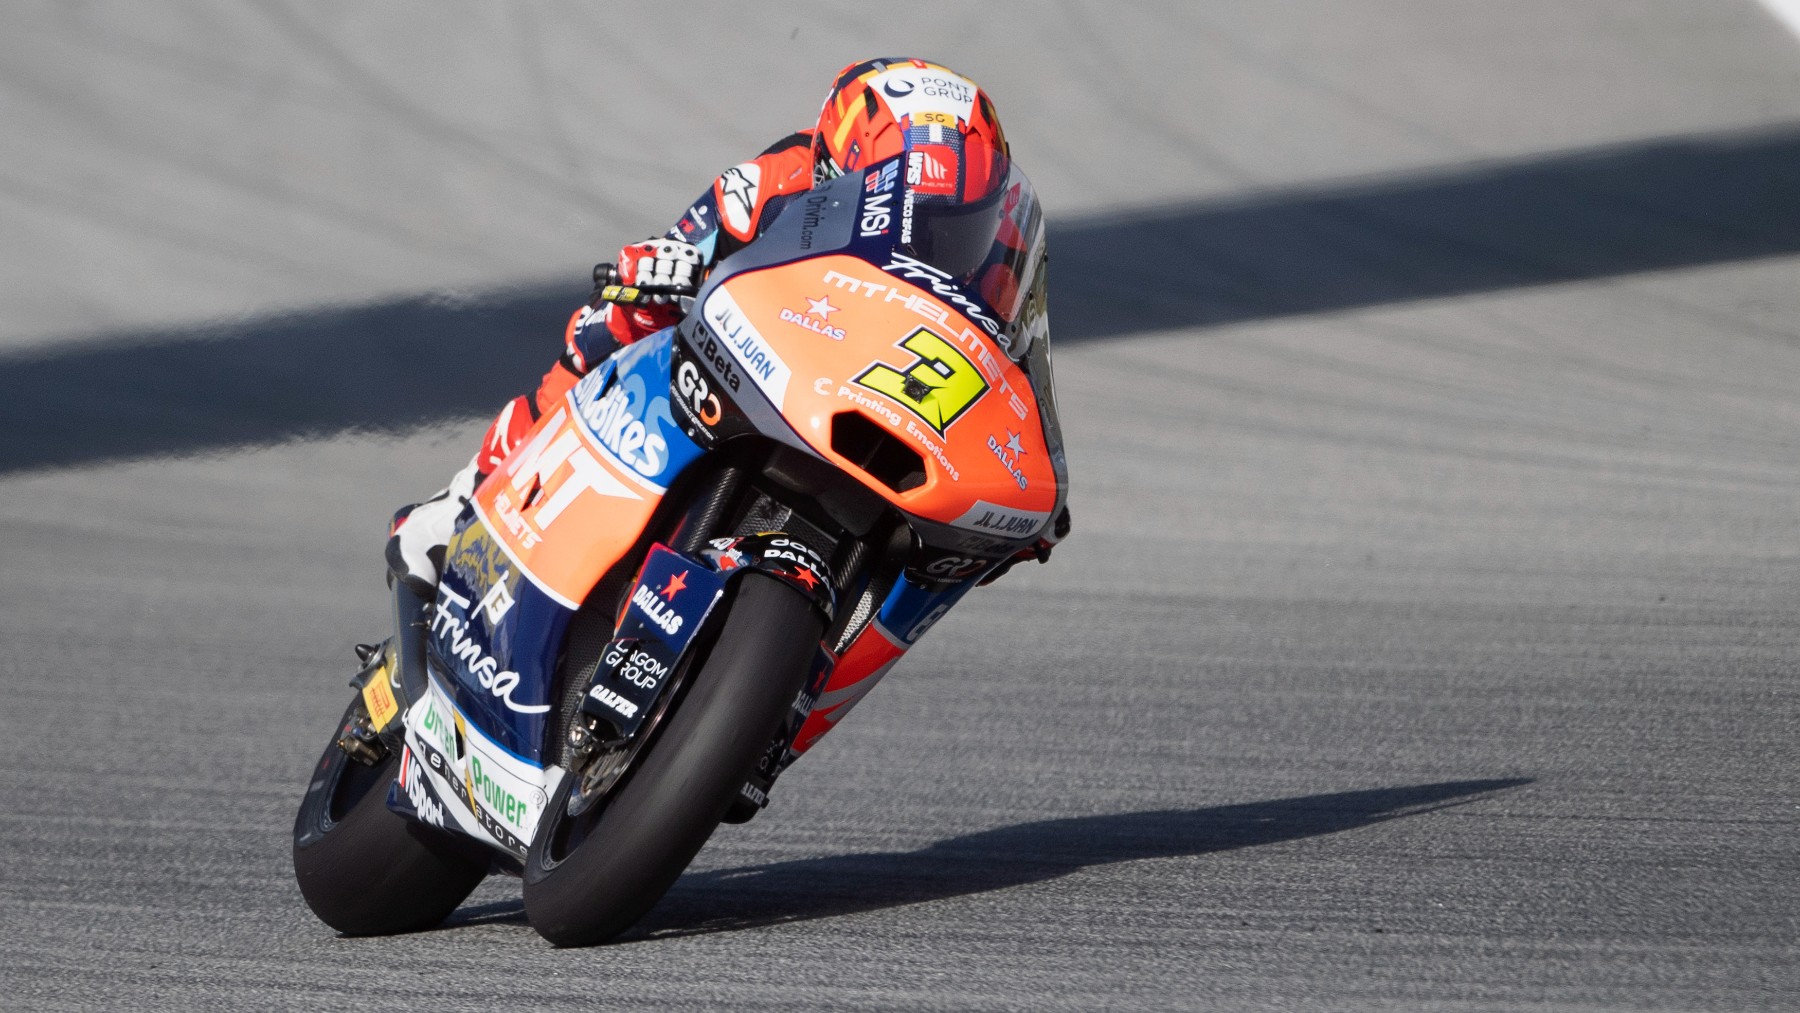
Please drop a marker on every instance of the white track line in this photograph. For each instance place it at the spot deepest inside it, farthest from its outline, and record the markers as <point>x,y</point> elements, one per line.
<point>1788,11</point>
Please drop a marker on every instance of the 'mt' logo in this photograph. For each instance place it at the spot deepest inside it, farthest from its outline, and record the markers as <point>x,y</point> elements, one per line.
<point>938,387</point>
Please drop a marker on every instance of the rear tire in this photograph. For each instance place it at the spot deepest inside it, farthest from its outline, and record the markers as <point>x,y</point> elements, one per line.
<point>589,877</point>
<point>365,869</point>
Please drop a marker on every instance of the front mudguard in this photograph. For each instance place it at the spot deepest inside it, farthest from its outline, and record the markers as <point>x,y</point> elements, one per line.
<point>782,556</point>
<point>671,603</point>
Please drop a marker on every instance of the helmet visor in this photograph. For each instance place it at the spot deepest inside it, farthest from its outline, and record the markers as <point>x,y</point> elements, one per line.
<point>992,247</point>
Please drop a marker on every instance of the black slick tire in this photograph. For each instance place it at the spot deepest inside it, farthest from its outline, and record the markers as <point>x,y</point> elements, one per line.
<point>632,845</point>
<point>366,870</point>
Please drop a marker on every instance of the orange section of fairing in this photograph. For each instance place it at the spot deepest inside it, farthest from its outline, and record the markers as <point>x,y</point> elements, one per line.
<point>562,509</point>
<point>868,659</point>
<point>852,334</point>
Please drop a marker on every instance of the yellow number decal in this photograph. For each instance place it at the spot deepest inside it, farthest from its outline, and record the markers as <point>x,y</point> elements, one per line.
<point>938,388</point>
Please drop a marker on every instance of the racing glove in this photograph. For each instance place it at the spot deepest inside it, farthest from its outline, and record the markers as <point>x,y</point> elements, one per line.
<point>662,271</point>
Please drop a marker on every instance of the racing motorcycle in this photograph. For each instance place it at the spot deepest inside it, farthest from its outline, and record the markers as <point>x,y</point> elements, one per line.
<point>698,563</point>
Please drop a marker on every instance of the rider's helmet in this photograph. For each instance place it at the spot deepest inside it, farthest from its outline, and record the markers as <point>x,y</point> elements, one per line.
<point>940,120</point>
<point>977,220</point>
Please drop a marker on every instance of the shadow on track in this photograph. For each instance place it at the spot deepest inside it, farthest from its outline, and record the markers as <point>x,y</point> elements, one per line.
<point>729,900</point>
<point>1679,202</point>
<point>1603,212</point>
<point>384,368</point>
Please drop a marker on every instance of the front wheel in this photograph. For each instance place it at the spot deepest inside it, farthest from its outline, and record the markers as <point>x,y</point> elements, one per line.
<point>365,869</point>
<point>591,874</point>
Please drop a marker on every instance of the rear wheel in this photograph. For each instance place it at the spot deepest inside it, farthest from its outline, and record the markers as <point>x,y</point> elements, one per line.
<point>365,869</point>
<point>596,867</point>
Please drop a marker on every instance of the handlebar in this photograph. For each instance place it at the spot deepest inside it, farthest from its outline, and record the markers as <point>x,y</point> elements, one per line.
<point>609,290</point>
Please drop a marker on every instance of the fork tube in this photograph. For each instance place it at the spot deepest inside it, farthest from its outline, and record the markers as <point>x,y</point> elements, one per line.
<point>705,524</point>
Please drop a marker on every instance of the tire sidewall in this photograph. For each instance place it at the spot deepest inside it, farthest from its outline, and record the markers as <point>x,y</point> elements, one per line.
<point>373,871</point>
<point>664,810</point>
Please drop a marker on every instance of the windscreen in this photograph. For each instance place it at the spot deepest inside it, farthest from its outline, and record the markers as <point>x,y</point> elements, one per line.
<point>970,232</point>
<point>967,228</point>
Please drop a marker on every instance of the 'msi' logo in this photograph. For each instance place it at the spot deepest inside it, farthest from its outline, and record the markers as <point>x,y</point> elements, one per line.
<point>938,386</point>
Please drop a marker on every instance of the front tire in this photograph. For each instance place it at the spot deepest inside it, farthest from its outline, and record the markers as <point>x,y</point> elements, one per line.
<point>365,869</point>
<point>588,877</point>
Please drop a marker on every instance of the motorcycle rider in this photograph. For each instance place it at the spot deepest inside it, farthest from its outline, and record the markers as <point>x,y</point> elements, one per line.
<point>860,124</point>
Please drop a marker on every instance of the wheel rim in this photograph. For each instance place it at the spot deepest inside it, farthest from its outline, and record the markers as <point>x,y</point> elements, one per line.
<point>348,781</point>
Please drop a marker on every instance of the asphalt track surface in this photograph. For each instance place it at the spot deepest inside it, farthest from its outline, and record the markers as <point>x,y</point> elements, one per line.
<point>1429,633</point>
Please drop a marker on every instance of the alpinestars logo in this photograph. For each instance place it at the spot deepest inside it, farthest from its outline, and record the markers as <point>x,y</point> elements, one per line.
<point>737,192</point>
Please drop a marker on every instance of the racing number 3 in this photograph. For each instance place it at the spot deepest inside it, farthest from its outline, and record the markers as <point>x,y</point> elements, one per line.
<point>938,388</point>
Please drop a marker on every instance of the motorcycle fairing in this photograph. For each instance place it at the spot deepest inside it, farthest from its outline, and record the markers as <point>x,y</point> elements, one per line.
<point>906,614</point>
<point>508,789</point>
<point>412,793</point>
<point>466,739</point>
<point>466,743</point>
<point>914,369</point>
<point>707,405</point>
<point>566,506</point>
<point>485,609</point>
<point>596,468</point>
<point>456,776</point>
<point>836,310</point>
<point>467,781</point>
